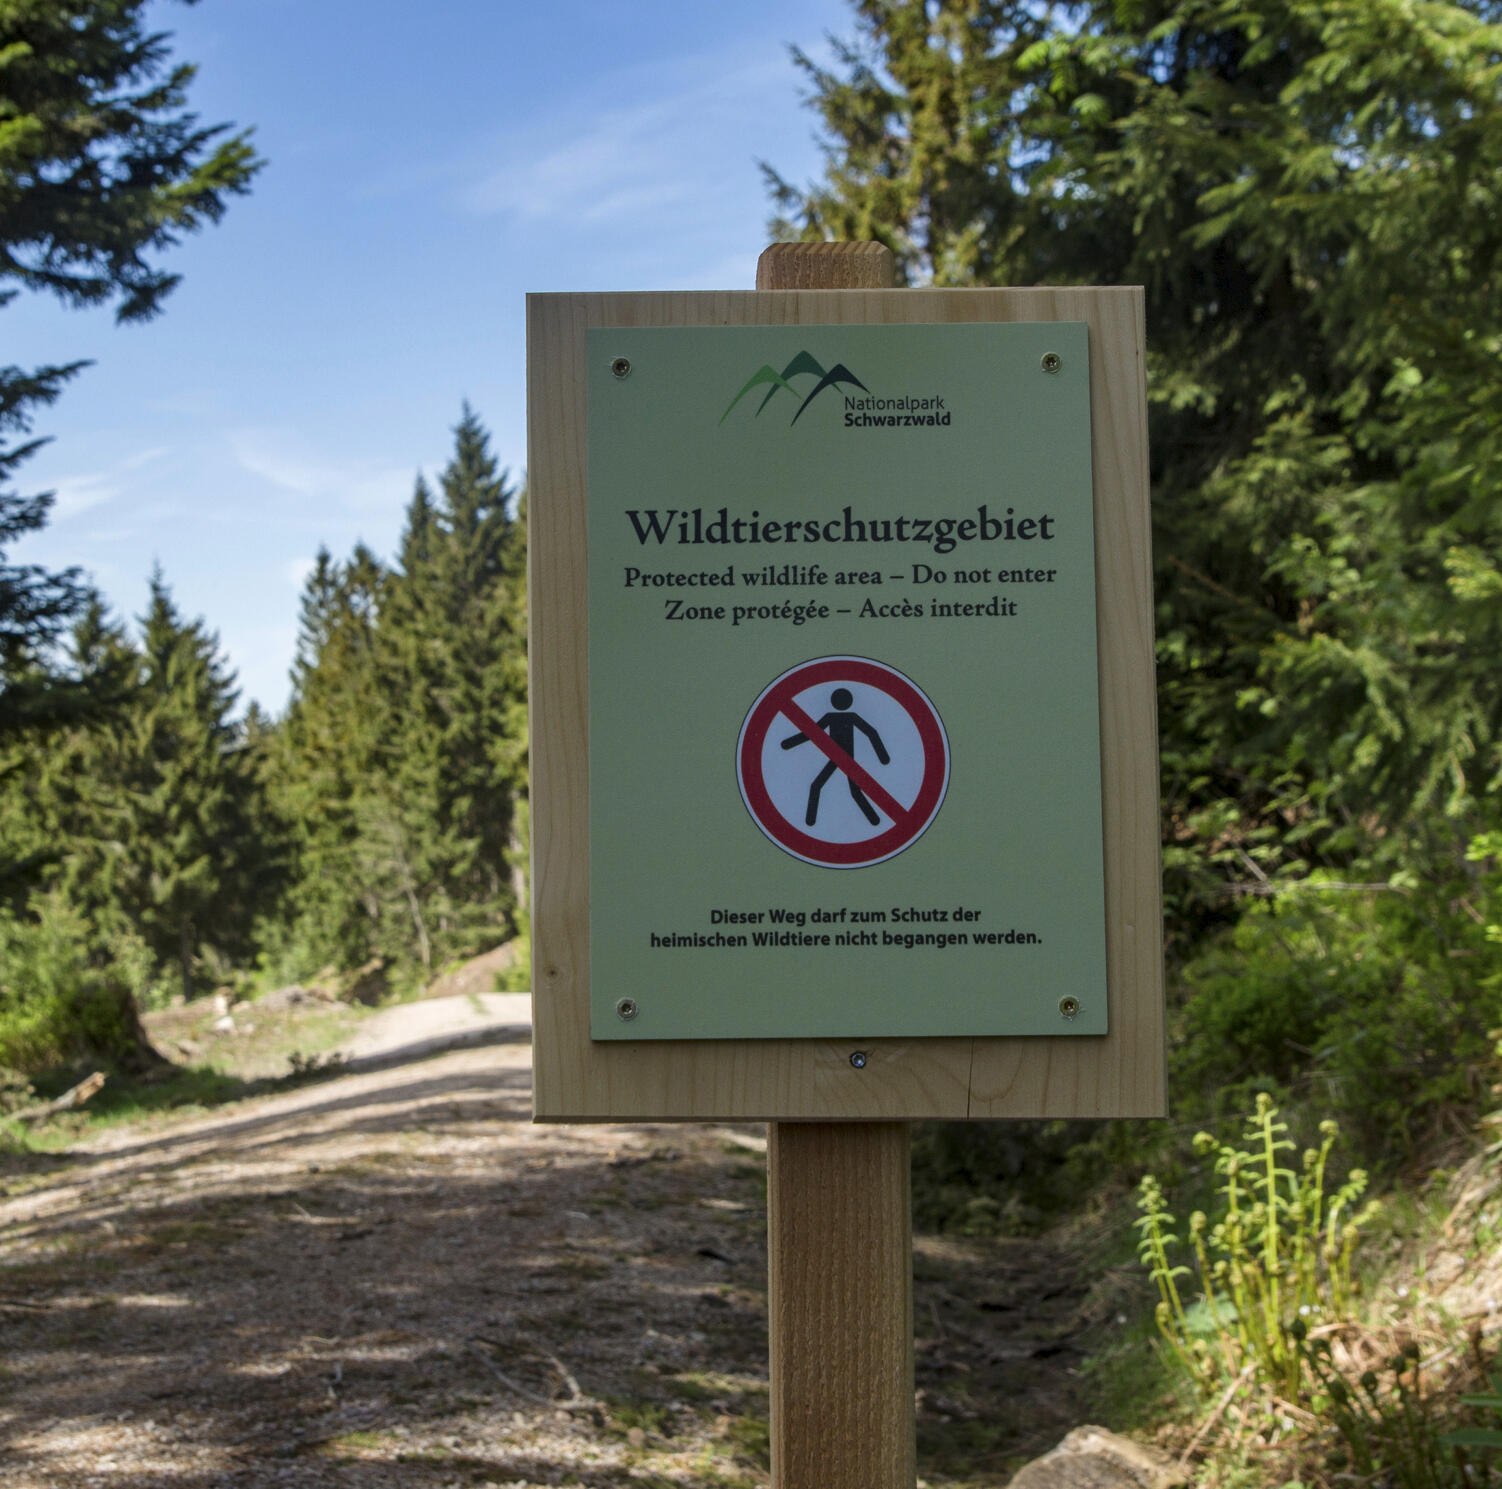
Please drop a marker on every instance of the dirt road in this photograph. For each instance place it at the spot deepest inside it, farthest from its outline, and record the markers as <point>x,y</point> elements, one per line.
<point>392,1278</point>
<point>412,1031</point>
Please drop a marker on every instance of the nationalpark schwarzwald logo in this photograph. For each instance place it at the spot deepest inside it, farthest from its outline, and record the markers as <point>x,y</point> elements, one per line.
<point>775,382</point>
<point>860,413</point>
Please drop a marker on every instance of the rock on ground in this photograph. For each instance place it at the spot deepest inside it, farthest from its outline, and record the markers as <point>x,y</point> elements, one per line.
<point>1094,1458</point>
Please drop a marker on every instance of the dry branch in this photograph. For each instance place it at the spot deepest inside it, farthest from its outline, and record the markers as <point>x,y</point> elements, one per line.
<point>578,1401</point>
<point>87,1088</point>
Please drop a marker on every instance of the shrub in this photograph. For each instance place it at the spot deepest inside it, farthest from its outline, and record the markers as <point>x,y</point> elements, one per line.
<point>57,1005</point>
<point>1375,1006</point>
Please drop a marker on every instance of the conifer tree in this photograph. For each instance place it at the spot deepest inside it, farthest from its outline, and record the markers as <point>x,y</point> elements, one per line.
<point>1309,191</point>
<point>189,885</point>
<point>328,756</point>
<point>35,605</point>
<point>401,766</point>
<point>59,822</point>
<point>453,649</point>
<point>101,167</point>
<point>73,964</point>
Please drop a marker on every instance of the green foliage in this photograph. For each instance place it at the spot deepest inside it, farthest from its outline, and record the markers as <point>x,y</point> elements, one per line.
<point>1390,1428</point>
<point>15,1092</point>
<point>1489,1439</point>
<point>34,604</point>
<point>56,1005</point>
<point>1276,1255</point>
<point>401,767</point>
<point>145,815</point>
<point>102,165</point>
<point>100,160</point>
<point>326,757</point>
<point>995,1178</point>
<point>1375,1004</point>
<point>190,881</point>
<point>517,978</point>
<point>1308,189</point>
<point>381,825</point>
<point>140,828</point>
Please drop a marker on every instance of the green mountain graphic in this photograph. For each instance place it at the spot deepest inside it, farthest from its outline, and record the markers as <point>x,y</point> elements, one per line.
<point>837,375</point>
<point>801,363</point>
<point>763,374</point>
<point>774,381</point>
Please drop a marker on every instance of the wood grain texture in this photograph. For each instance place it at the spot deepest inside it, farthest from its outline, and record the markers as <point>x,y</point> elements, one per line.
<point>1120,1074</point>
<point>840,1311</point>
<point>839,1199</point>
<point>826,266</point>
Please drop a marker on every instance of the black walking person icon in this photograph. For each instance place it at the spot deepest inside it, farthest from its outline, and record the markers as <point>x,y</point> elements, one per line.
<point>840,725</point>
<point>857,696</point>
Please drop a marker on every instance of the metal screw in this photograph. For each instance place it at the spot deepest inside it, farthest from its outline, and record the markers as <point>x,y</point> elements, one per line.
<point>621,367</point>
<point>1069,1007</point>
<point>1052,361</point>
<point>858,1059</point>
<point>627,1009</point>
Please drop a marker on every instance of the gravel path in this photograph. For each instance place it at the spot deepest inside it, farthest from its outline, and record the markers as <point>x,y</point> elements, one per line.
<point>410,1031</point>
<point>392,1278</point>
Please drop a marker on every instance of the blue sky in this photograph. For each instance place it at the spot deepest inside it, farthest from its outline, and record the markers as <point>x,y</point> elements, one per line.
<point>428,167</point>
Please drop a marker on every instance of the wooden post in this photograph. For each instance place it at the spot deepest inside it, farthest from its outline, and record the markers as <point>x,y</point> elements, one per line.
<point>839,1206</point>
<point>840,1305</point>
<point>826,266</point>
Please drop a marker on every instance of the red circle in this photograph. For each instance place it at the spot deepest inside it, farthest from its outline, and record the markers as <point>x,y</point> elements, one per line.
<point>902,834</point>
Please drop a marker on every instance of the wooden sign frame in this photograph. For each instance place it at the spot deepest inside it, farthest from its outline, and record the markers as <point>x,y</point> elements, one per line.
<point>1119,1074</point>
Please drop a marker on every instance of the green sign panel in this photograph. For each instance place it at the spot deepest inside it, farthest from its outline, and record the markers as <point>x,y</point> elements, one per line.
<point>844,732</point>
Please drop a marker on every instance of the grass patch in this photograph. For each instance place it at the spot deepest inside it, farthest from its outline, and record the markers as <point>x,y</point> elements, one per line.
<point>750,1437</point>
<point>361,1443</point>
<point>707,1385</point>
<point>285,1048</point>
<point>270,1041</point>
<point>976,1453</point>
<point>651,1417</point>
<point>1127,1382</point>
<point>710,1473</point>
<point>179,1090</point>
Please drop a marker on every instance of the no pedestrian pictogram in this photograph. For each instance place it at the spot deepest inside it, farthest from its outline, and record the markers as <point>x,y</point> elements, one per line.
<point>843,762</point>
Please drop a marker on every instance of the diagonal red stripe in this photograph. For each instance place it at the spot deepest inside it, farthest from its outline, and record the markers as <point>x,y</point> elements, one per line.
<point>847,763</point>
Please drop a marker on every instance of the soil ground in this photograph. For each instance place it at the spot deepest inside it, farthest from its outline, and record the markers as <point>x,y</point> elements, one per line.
<point>390,1277</point>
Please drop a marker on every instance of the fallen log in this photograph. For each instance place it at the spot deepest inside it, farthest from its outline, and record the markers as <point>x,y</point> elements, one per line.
<point>69,1101</point>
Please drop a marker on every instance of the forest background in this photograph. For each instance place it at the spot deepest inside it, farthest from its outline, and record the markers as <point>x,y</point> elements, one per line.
<point>1308,189</point>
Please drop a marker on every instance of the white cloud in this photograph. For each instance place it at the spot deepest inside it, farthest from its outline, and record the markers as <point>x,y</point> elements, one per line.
<point>635,159</point>
<point>76,494</point>
<point>359,485</point>
<point>81,493</point>
<point>143,458</point>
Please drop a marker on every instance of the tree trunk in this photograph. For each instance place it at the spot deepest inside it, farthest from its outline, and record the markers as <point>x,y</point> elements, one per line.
<point>185,956</point>
<point>424,947</point>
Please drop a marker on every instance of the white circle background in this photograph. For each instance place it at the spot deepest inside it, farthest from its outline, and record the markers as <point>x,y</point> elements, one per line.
<point>789,773</point>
